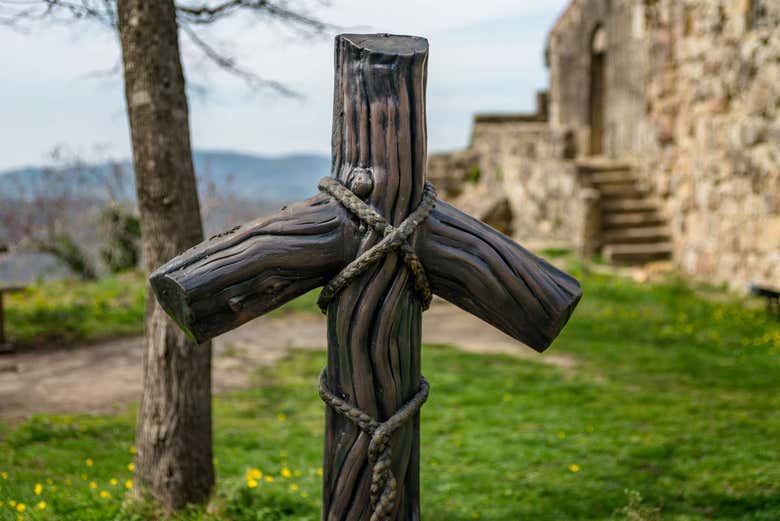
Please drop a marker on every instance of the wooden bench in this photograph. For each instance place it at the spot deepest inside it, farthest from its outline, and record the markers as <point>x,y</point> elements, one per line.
<point>772,296</point>
<point>4,346</point>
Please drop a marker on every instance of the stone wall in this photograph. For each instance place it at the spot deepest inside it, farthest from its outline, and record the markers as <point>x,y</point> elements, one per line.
<point>517,177</point>
<point>714,102</point>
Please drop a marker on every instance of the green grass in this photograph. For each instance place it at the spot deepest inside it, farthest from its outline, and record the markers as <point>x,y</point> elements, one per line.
<point>73,311</point>
<point>670,413</point>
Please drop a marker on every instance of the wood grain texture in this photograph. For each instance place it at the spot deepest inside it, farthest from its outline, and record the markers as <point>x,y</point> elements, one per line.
<point>240,274</point>
<point>374,324</point>
<point>487,274</point>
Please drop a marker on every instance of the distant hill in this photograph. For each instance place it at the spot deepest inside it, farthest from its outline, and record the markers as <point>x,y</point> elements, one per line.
<point>266,180</point>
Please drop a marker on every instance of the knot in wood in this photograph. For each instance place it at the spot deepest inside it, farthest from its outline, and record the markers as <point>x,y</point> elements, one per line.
<point>394,239</point>
<point>380,455</point>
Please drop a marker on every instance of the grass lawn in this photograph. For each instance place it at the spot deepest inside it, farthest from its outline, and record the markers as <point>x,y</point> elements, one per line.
<point>671,413</point>
<point>71,311</point>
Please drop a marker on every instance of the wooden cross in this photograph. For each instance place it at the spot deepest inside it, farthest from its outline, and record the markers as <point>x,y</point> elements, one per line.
<point>374,319</point>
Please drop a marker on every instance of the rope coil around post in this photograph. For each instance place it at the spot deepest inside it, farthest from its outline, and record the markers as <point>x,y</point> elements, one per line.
<point>383,482</point>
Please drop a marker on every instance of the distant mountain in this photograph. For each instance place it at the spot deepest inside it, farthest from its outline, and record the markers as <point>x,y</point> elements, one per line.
<point>266,180</point>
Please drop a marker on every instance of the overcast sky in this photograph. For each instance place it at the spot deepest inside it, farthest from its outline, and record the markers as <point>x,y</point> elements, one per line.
<point>485,55</point>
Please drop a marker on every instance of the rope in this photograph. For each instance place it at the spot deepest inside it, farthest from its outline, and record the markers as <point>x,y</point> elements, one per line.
<point>383,482</point>
<point>394,239</point>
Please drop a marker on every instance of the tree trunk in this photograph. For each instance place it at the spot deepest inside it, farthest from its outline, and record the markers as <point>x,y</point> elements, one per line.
<point>374,324</point>
<point>174,459</point>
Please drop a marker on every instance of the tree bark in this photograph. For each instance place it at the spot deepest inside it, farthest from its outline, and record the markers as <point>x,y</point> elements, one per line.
<point>374,324</point>
<point>174,453</point>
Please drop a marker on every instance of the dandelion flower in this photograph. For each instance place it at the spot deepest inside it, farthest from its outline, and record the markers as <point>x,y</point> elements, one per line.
<point>281,416</point>
<point>21,507</point>
<point>128,484</point>
<point>131,467</point>
<point>114,481</point>
<point>4,475</point>
<point>294,487</point>
<point>12,503</point>
<point>89,462</point>
<point>286,473</point>
<point>251,483</point>
<point>304,495</point>
<point>254,473</point>
<point>42,505</point>
<point>269,479</point>
<point>92,484</point>
<point>105,494</point>
<point>38,489</point>
<point>319,471</point>
<point>574,468</point>
<point>133,449</point>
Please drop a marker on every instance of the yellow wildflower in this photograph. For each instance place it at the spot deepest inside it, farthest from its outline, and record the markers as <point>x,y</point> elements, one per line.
<point>113,481</point>
<point>319,471</point>
<point>269,479</point>
<point>38,489</point>
<point>105,494</point>
<point>21,507</point>
<point>12,503</point>
<point>304,495</point>
<point>131,467</point>
<point>251,483</point>
<point>286,472</point>
<point>574,468</point>
<point>254,473</point>
<point>281,416</point>
<point>133,450</point>
<point>89,462</point>
<point>42,505</point>
<point>293,487</point>
<point>92,484</point>
<point>128,484</point>
<point>4,475</point>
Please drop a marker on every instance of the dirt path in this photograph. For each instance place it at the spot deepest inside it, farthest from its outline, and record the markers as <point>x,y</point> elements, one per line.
<point>105,377</point>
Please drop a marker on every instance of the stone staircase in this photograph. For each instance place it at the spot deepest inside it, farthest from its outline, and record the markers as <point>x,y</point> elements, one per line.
<point>633,231</point>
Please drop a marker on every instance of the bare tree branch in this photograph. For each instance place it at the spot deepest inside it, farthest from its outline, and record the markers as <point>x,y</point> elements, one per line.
<point>229,64</point>
<point>189,15</point>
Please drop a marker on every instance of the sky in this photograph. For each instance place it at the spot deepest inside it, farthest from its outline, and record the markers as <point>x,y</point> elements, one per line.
<point>56,88</point>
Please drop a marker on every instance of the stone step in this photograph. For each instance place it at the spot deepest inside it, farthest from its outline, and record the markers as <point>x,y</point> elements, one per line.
<point>622,220</point>
<point>628,191</point>
<point>629,205</point>
<point>600,164</point>
<point>637,235</point>
<point>628,254</point>
<point>608,178</point>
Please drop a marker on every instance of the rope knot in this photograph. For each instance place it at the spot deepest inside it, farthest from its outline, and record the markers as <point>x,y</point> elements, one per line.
<point>393,239</point>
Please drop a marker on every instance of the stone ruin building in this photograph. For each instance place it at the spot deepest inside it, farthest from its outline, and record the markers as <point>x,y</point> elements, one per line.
<point>659,138</point>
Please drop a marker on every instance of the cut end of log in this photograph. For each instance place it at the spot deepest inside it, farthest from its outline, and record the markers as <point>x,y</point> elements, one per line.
<point>173,300</point>
<point>390,44</point>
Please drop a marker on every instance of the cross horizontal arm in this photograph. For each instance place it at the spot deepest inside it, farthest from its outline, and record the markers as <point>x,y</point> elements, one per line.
<point>487,274</point>
<point>250,270</point>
